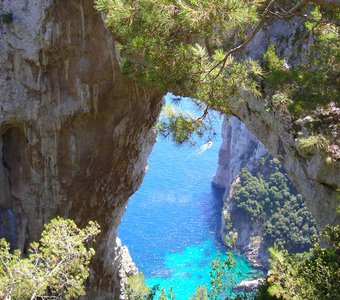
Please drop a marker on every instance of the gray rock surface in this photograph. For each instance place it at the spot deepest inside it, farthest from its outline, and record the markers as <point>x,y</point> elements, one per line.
<point>248,285</point>
<point>74,134</point>
<point>126,267</point>
<point>239,149</point>
<point>316,179</point>
<point>315,176</point>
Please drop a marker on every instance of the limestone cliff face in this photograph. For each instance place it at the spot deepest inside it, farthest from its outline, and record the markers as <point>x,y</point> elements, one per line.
<point>239,149</point>
<point>74,135</point>
<point>315,177</point>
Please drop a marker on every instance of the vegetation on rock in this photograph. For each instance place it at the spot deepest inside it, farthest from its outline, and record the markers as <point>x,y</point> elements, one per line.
<point>136,288</point>
<point>197,49</point>
<point>56,267</point>
<point>307,276</point>
<point>200,293</point>
<point>267,197</point>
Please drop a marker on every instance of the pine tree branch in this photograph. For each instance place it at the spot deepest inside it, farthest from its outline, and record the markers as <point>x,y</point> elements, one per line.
<point>287,14</point>
<point>245,43</point>
<point>205,113</point>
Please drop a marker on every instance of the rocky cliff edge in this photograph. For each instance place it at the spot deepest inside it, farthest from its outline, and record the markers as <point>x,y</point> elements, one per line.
<point>74,135</point>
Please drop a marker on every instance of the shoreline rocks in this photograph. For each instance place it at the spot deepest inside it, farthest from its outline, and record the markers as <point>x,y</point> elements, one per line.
<point>249,285</point>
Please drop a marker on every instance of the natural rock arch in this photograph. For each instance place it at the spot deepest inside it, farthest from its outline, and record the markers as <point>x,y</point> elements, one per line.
<point>85,132</point>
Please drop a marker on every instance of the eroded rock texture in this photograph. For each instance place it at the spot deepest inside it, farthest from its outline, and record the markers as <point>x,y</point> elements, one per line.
<point>239,149</point>
<point>315,177</point>
<point>74,135</point>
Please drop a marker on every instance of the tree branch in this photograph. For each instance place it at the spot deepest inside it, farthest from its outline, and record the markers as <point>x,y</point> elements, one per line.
<point>295,8</point>
<point>245,43</point>
<point>287,14</point>
<point>333,3</point>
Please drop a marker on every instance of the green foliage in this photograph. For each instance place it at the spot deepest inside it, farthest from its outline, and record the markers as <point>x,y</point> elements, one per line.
<point>6,18</point>
<point>275,66</point>
<point>181,126</point>
<point>221,277</point>
<point>165,34</point>
<point>308,276</point>
<point>194,48</point>
<point>56,267</point>
<point>174,46</point>
<point>137,289</point>
<point>314,81</point>
<point>231,238</point>
<point>164,295</point>
<point>311,145</point>
<point>267,197</point>
<point>200,293</point>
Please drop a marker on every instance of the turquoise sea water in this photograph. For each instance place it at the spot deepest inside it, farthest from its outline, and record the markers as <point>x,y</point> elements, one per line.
<point>171,225</point>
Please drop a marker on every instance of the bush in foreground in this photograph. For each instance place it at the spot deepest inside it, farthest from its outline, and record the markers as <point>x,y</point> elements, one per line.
<point>56,267</point>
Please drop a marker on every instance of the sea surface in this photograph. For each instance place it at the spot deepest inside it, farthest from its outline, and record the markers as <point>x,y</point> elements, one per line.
<point>172,223</point>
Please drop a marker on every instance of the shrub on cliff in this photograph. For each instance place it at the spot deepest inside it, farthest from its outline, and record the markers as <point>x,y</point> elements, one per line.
<point>308,276</point>
<point>56,267</point>
<point>200,293</point>
<point>267,197</point>
<point>136,288</point>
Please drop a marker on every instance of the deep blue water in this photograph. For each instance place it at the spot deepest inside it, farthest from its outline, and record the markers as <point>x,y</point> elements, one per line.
<point>171,225</point>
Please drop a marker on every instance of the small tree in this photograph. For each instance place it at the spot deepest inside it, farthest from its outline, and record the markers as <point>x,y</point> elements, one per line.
<point>308,276</point>
<point>200,293</point>
<point>222,279</point>
<point>57,266</point>
<point>164,295</point>
<point>136,288</point>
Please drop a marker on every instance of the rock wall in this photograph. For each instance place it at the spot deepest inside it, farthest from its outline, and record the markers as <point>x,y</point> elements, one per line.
<point>74,134</point>
<point>239,149</point>
<point>126,267</point>
<point>316,176</point>
<point>247,232</point>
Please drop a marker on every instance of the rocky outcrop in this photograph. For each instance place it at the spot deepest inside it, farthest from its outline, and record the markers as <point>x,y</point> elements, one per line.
<point>241,228</point>
<point>239,149</point>
<point>249,285</point>
<point>126,267</point>
<point>239,232</point>
<point>74,134</point>
<point>316,175</point>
